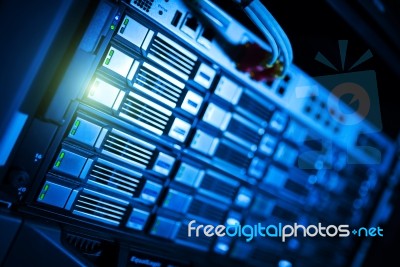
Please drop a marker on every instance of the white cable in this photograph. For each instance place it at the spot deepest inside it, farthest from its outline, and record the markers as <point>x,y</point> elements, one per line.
<point>268,22</point>
<point>262,12</point>
<point>267,34</point>
<point>266,26</point>
<point>264,20</point>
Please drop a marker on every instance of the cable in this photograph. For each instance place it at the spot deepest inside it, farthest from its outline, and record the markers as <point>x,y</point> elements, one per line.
<point>271,29</point>
<point>268,36</point>
<point>274,26</point>
<point>263,64</point>
<point>268,27</point>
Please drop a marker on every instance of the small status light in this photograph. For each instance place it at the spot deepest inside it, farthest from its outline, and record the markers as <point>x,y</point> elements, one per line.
<point>46,187</point>
<point>41,197</point>
<point>116,17</point>
<point>222,247</point>
<point>284,263</point>
<point>112,27</point>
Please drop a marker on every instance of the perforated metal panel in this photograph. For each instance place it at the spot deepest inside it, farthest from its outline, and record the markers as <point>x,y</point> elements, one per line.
<point>144,4</point>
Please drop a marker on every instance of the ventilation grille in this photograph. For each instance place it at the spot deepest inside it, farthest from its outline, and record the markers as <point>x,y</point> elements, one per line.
<point>143,4</point>
<point>207,211</point>
<point>171,55</point>
<point>250,104</point>
<point>159,85</point>
<point>145,113</point>
<point>116,179</point>
<point>99,209</point>
<point>219,187</point>
<point>233,156</point>
<point>84,245</point>
<point>128,150</point>
<point>241,130</point>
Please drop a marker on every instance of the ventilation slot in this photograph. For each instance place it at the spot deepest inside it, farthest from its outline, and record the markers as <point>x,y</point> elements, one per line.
<point>218,187</point>
<point>127,150</point>
<point>172,56</point>
<point>84,245</point>
<point>158,85</point>
<point>143,4</point>
<point>233,156</point>
<point>207,211</point>
<point>261,110</point>
<point>115,180</point>
<point>239,129</point>
<point>99,209</point>
<point>145,113</point>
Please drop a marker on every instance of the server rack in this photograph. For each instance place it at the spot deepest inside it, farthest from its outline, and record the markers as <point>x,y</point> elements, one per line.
<point>152,126</point>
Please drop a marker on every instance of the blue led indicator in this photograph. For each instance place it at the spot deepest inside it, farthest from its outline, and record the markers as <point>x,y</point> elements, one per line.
<point>192,103</point>
<point>163,164</point>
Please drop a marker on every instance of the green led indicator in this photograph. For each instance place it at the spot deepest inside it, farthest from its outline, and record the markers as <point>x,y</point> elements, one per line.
<point>112,27</point>
<point>62,154</point>
<point>58,163</point>
<point>73,131</point>
<point>111,53</point>
<point>46,187</point>
<point>77,122</point>
<point>107,61</point>
<point>126,21</point>
<point>168,199</point>
<point>181,170</point>
<point>41,197</point>
<point>155,227</point>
